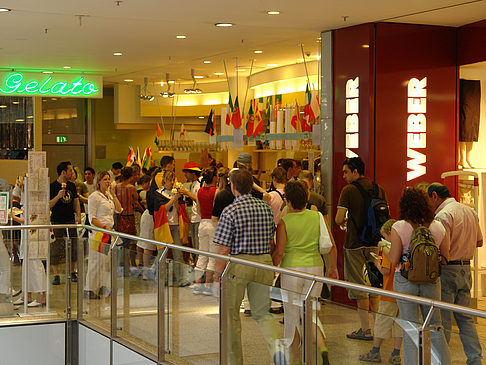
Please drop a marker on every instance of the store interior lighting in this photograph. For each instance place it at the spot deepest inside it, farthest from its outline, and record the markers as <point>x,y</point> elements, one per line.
<point>168,93</point>
<point>194,89</point>
<point>146,95</point>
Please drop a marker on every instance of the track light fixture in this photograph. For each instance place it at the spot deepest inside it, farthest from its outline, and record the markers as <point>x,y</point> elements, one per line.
<point>168,93</point>
<point>145,95</point>
<point>194,89</point>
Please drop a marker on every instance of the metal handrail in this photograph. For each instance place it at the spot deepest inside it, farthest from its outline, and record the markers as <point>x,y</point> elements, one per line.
<point>229,259</point>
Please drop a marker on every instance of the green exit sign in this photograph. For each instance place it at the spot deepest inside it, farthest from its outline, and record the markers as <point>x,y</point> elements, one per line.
<point>61,139</point>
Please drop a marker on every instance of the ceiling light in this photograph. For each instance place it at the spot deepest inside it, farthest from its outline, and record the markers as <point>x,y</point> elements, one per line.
<point>128,80</point>
<point>207,61</point>
<point>3,106</point>
<point>161,83</point>
<point>219,73</point>
<point>272,64</point>
<point>198,77</point>
<point>4,10</point>
<point>300,60</point>
<point>19,120</point>
<point>181,36</point>
<point>167,94</point>
<point>240,70</point>
<point>30,116</point>
<point>171,82</point>
<point>223,25</point>
<point>201,117</point>
<point>47,72</point>
<point>117,54</point>
<point>16,102</point>
<point>273,12</point>
<point>258,52</point>
<point>67,67</point>
<point>365,45</point>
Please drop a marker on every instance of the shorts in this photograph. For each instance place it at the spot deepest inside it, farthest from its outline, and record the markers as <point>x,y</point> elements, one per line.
<point>386,319</point>
<point>354,261</point>
<point>58,247</point>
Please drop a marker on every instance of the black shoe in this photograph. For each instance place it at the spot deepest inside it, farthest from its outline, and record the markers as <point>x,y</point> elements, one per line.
<point>90,295</point>
<point>74,277</point>
<point>56,280</point>
<point>247,312</point>
<point>278,310</point>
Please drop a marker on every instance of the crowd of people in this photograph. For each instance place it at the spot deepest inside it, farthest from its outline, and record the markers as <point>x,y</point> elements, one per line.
<point>227,211</point>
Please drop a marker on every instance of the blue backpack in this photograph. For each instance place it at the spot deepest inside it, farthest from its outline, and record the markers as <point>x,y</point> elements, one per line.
<point>376,213</point>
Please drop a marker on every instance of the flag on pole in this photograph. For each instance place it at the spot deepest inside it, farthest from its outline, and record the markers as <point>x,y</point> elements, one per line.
<point>309,116</point>
<point>258,122</point>
<point>137,160</point>
<point>268,107</point>
<point>159,134</point>
<point>250,121</point>
<point>229,113</point>
<point>236,117</point>
<point>210,126</point>
<point>147,162</point>
<point>182,135</point>
<point>295,121</point>
<point>315,105</point>
<point>131,157</point>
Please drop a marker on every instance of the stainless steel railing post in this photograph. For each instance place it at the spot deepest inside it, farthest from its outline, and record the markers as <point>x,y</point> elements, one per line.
<point>69,324</point>
<point>424,340</point>
<point>80,255</point>
<point>113,289</point>
<point>223,317</point>
<point>307,326</point>
<point>161,279</point>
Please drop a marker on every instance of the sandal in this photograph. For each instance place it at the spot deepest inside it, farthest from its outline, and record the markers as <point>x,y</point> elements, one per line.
<point>361,335</point>
<point>370,357</point>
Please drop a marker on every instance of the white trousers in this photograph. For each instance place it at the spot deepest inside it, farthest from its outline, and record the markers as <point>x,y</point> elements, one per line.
<point>98,273</point>
<point>207,228</point>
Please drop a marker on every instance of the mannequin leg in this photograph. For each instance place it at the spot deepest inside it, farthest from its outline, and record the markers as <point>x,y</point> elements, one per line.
<point>469,146</point>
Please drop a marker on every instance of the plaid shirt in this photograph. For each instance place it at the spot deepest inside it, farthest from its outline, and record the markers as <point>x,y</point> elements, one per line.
<point>246,226</point>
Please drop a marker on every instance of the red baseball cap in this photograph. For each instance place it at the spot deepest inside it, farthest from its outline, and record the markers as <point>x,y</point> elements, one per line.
<point>191,166</point>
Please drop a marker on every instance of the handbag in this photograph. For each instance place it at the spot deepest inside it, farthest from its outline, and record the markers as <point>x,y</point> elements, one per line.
<point>325,243</point>
<point>101,243</point>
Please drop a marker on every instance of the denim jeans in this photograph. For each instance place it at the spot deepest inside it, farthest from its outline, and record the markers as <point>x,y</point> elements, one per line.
<point>410,312</point>
<point>456,289</point>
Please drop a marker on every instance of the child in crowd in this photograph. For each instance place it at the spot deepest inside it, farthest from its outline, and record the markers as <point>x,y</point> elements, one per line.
<point>388,310</point>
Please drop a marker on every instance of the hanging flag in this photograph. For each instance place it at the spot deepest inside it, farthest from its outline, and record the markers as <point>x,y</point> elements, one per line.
<point>309,116</point>
<point>236,117</point>
<point>229,112</point>
<point>138,161</point>
<point>210,126</point>
<point>295,121</point>
<point>147,162</point>
<point>250,121</point>
<point>131,157</point>
<point>268,107</point>
<point>315,105</point>
<point>182,135</point>
<point>159,134</point>
<point>258,122</point>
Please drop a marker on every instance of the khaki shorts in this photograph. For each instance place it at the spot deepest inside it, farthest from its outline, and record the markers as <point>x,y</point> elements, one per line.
<point>386,319</point>
<point>354,261</point>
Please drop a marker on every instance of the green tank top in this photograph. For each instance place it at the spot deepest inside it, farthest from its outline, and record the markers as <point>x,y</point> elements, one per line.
<point>302,247</point>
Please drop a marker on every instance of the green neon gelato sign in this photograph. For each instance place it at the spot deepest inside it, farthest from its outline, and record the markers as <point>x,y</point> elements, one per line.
<point>67,85</point>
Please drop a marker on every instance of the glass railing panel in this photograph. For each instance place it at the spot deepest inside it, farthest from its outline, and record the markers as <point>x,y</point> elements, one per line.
<point>137,299</point>
<point>193,312</point>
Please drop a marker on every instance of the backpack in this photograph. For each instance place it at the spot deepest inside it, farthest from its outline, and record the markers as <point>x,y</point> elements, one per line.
<point>421,264</point>
<point>372,275</point>
<point>376,213</point>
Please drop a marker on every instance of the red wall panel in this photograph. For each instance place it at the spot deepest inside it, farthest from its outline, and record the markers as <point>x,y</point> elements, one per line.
<point>352,57</point>
<point>470,43</point>
<point>404,52</point>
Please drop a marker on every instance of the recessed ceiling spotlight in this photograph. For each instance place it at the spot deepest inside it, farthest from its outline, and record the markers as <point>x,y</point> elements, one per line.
<point>272,64</point>
<point>207,61</point>
<point>47,72</point>
<point>273,12</point>
<point>5,10</point>
<point>20,120</point>
<point>198,77</point>
<point>240,70</point>
<point>16,102</point>
<point>171,82</point>
<point>3,106</point>
<point>258,51</point>
<point>201,117</point>
<point>67,67</point>
<point>181,36</point>
<point>128,80</point>
<point>219,73</point>
<point>161,83</point>
<point>365,45</point>
<point>223,25</point>
<point>117,54</point>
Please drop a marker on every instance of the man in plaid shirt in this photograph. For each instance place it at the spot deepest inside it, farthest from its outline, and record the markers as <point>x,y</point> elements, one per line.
<point>245,230</point>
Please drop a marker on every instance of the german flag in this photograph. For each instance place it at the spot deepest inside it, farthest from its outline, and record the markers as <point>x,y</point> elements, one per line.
<point>101,243</point>
<point>162,229</point>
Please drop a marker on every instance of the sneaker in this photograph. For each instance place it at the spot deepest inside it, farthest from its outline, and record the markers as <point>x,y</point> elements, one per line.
<point>198,289</point>
<point>395,359</point>
<point>278,310</point>
<point>74,277</point>
<point>371,357</point>
<point>91,295</point>
<point>207,291</point>
<point>56,280</point>
<point>19,301</point>
<point>361,335</point>
<point>34,304</point>
<point>247,312</point>
<point>184,283</point>
<point>16,292</point>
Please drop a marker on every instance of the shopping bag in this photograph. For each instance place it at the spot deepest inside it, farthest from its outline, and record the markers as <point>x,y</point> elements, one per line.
<point>101,243</point>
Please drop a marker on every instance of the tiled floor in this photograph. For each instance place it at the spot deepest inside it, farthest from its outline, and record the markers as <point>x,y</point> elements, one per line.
<point>192,330</point>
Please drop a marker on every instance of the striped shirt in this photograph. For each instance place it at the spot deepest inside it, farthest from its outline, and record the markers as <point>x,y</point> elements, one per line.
<point>246,226</point>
